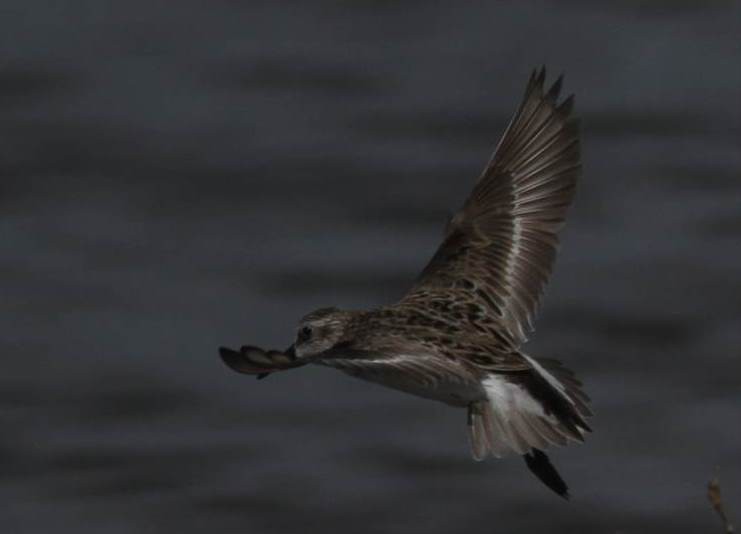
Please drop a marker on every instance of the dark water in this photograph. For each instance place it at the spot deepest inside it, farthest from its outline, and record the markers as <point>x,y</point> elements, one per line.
<point>177,176</point>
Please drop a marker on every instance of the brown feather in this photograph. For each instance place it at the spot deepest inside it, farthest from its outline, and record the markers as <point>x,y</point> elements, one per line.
<point>504,239</point>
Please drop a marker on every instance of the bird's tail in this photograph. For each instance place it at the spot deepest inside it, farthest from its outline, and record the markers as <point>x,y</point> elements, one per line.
<point>528,411</point>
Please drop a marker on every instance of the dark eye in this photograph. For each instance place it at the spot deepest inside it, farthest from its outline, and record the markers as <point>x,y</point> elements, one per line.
<point>305,333</point>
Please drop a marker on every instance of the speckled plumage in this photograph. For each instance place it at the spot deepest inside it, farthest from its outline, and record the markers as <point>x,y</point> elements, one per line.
<point>456,336</point>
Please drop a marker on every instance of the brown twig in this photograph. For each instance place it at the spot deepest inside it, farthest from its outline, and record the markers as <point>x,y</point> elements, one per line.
<point>717,502</point>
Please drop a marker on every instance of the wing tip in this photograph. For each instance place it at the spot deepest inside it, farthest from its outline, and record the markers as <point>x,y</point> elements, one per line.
<point>551,94</point>
<point>540,465</point>
<point>237,361</point>
<point>555,89</point>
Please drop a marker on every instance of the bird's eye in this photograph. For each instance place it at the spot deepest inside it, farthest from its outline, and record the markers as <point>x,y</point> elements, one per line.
<point>305,333</point>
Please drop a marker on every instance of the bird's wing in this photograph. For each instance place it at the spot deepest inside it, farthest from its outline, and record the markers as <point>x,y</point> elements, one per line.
<point>500,247</point>
<point>251,360</point>
<point>422,354</point>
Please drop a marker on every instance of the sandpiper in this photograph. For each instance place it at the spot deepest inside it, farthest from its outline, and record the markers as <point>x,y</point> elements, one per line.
<point>457,335</point>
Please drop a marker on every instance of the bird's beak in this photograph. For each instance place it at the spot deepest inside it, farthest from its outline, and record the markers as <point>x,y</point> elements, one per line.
<point>290,352</point>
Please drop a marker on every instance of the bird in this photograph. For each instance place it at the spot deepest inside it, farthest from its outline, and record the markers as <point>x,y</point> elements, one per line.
<point>457,335</point>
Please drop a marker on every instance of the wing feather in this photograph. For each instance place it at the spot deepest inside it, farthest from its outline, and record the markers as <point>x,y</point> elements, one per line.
<point>504,239</point>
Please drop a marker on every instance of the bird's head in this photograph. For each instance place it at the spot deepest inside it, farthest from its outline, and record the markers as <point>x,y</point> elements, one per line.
<point>320,331</point>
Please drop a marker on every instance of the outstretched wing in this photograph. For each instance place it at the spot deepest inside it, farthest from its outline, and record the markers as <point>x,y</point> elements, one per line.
<point>252,360</point>
<point>499,249</point>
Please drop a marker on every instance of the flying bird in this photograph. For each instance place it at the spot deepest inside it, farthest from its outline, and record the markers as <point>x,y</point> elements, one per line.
<point>457,336</point>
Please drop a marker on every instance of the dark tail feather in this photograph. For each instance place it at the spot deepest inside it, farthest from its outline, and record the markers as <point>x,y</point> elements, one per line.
<point>541,467</point>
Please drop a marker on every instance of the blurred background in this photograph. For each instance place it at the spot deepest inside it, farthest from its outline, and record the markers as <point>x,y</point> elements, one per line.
<point>182,175</point>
